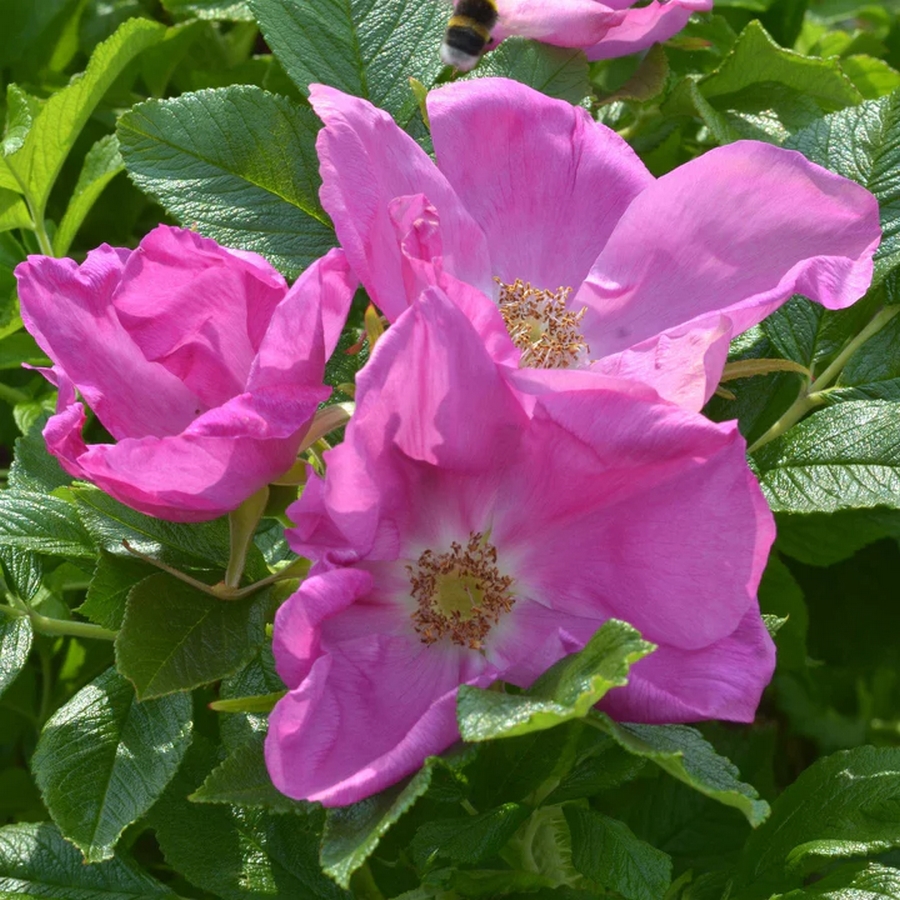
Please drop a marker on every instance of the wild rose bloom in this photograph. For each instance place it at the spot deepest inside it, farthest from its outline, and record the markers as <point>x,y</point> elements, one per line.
<point>593,261</point>
<point>465,482</point>
<point>603,30</point>
<point>198,360</point>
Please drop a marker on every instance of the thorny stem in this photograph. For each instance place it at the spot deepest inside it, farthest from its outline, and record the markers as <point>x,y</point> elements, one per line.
<point>813,395</point>
<point>64,627</point>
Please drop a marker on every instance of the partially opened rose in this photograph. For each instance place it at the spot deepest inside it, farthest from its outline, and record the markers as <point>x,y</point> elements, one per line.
<point>475,525</point>
<point>198,360</point>
<point>593,262</point>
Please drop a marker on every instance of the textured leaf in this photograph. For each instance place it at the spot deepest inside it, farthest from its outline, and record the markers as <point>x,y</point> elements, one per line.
<point>102,163</point>
<point>107,593</point>
<point>607,852</point>
<point>175,637</point>
<point>554,71</point>
<point>468,839</point>
<point>861,881</point>
<point>13,211</point>
<point>42,523</point>
<point>369,48</point>
<point>220,10</point>
<point>845,805</point>
<point>843,457</point>
<point>61,118</point>
<point>35,861</point>
<point>685,755</point>
<point>33,468</point>
<point>873,372</point>
<point>863,143</point>
<point>237,164</point>
<point>103,759</point>
<point>566,691</point>
<point>257,678</point>
<point>15,645</point>
<point>239,854</point>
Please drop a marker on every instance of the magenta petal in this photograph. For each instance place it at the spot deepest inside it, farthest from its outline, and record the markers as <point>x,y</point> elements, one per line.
<point>68,308</point>
<point>367,162</point>
<point>544,181</point>
<point>683,366</point>
<point>646,25</point>
<point>722,681</point>
<point>565,23</point>
<point>735,231</point>
<point>369,712</point>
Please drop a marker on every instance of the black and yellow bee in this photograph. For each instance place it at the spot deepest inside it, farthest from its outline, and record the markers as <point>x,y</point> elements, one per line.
<point>468,33</point>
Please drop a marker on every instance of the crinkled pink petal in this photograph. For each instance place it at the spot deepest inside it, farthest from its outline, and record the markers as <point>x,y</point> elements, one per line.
<point>68,309</point>
<point>684,366</point>
<point>721,681</point>
<point>544,181</point>
<point>366,162</point>
<point>644,26</point>
<point>197,309</point>
<point>736,232</point>
<point>565,23</point>
<point>368,714</point>
<point>636,509</point>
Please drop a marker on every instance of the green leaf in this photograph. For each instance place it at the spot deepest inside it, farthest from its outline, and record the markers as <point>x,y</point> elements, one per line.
<point>822,539</point>
<point>607,851</point>
<point>101,164</point>
<point>467,839</point>
<point>42,523</point>
<point>15,645</point>
<point>239,854</point>
<point>843,457</point>
<point>353,832</point>
<point>780,595</point>
<point>107,593</point>
<point>860,881</point>
<point>873,77</point>
<point>257,678</point>
<point>238,164</point>
<point>35,861</point>
<point>369,48</point>
<point>175,637</point>
<point>873,372</point>
<point>243,780</point>
<point>103,759</point>
<point>110,522</point>
<point>13,211</point>
<point>33,468</point>
<point>602,766</point>
<point>762,90</point>
<point>20,348</point>
<point>61,118</point>
<point>566,691</point>
<point>685,755</point>
<point>863,143</point>
<point>217,10</point>
<point>844,805</point>
<point>554,71</point>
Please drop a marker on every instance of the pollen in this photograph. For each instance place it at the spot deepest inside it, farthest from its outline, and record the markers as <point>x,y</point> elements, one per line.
<point>542,327</point>
<point>459,594</point>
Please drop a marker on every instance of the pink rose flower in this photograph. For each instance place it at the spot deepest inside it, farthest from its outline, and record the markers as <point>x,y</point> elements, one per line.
<point>592,261</point>
<point>198,360</point>
<point>603,30</point>
<point>464,482</point>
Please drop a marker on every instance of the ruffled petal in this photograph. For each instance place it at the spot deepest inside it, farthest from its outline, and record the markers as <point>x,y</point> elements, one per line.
<point>369,712</point>
<point>367,162</point>
<point>644,26</point>
<point>722,681</point>
<point>565,23</point>
<point>544,181</point>
<point>68,309</point>
<point>736,231</point>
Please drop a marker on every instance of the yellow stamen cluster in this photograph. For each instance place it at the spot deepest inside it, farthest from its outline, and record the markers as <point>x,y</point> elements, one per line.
<point>548,334</point>
<point>459,594</point>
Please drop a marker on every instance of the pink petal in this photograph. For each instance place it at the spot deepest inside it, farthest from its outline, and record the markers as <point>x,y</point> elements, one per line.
<point>544,181</point>
<point>722,681</point>
<point>565,23</point>
<point>735,231</point>
<point>68,309</point>
<point>197,309</point>
<point>645,25</point>
<point>369,713</point>
<point>367,162</point>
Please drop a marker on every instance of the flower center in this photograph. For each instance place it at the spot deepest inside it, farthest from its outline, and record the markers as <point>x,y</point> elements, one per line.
<point>548,334</point>
<point>459,594</point>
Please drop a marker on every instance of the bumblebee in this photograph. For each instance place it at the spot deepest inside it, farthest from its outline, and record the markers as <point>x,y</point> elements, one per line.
<point>468,33</point>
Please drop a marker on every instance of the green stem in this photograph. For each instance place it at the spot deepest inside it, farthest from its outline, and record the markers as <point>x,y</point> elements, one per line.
<point>11,395</point>
<point>813,395</point>
<point>242,524</point>
<point>64,627</point>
